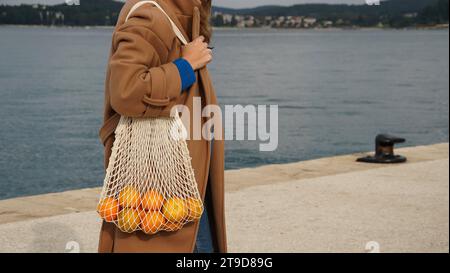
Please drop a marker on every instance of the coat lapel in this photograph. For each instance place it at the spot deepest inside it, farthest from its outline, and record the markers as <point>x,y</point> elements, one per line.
<point>174,18</point>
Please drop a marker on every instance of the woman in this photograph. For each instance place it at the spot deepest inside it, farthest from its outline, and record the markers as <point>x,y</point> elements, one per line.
<point>149,72</point>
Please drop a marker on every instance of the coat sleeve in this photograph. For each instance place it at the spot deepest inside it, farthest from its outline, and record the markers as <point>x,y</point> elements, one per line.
<point>138,80</point>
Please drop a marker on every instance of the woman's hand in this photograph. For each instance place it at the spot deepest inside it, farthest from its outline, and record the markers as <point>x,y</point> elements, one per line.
<point>197,53</point>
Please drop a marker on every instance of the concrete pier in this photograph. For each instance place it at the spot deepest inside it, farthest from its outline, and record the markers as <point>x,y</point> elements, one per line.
<point>326,205</point>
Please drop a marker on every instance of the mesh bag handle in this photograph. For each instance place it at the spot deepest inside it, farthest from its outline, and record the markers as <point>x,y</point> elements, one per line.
<point>174,26</point>
<point>150,183</point>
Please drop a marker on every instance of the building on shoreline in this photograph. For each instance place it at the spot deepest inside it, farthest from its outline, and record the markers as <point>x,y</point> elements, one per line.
<point>220,19</point>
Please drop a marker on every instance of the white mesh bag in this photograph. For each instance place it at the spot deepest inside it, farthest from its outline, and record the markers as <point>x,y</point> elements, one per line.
<point>150,183</point>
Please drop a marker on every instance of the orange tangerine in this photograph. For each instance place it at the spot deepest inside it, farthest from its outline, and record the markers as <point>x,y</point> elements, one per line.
<point>108,208</point>
<point>152,222</point>
<point>175,209</point>
<point>129,220</point>
<point>195,207</point>
<point>129,197</point>
<point>152,200</point>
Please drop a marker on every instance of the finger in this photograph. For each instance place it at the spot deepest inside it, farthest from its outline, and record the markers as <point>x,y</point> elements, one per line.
<point>207,59</point>
<point>206,51</point>
<point>200,39</point>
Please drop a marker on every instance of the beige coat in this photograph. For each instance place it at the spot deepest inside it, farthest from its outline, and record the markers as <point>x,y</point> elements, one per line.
<point>142,81</point>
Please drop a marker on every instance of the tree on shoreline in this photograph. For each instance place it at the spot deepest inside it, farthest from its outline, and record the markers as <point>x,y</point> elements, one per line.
<point>435,14</point>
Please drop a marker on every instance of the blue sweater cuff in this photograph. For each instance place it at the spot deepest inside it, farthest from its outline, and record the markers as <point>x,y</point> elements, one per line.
<point>187,73</point>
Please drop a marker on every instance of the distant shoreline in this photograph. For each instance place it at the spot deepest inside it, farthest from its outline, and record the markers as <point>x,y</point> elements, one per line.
<point>436,27</point>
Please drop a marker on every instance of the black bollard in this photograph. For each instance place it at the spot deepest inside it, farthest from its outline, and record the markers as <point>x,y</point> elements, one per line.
<point>384,150</point>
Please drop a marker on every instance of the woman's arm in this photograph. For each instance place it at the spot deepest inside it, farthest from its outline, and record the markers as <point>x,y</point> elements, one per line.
<point>196,55</point>
<point>187,73</point>
<point>137,79</point>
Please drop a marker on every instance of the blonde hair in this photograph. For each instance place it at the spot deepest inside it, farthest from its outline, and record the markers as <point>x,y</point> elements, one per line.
<point>205,17</point>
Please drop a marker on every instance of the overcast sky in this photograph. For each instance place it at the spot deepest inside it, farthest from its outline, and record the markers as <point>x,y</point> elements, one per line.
<point>224,3</point>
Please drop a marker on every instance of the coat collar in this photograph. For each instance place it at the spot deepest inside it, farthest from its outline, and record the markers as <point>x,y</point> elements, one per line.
<point>185,8</point>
